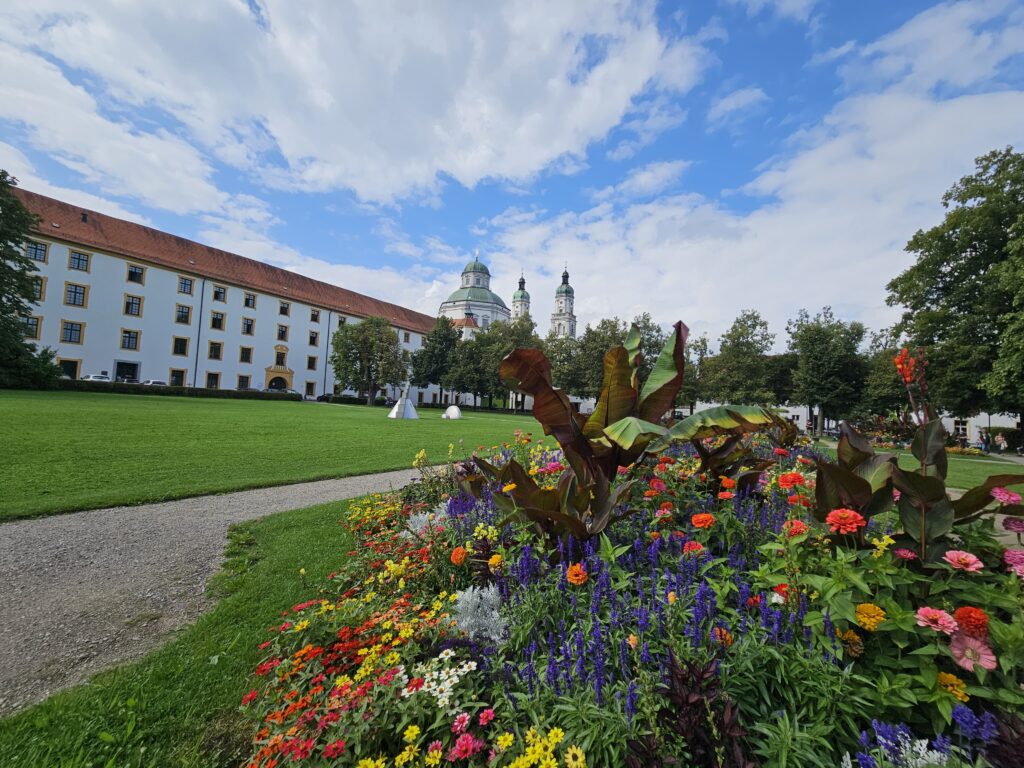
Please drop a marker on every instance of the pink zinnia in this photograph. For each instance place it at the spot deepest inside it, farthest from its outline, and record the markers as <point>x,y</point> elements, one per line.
<point>963,561</point>
<point>1013,524</point>
<point>1004,496</point>
<point>936,619</point>
<point>905,554</point>
<point>486,716</point>
<point>780,451</point>
<point>895,494</point>
<point>1014,559</point>
<point>435,746</point>
<point>969,651</point>
<point>461,723</point>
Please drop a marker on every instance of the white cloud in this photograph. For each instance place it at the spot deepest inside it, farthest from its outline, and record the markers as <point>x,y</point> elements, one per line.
<point>646,181</point>
<point>794,9</point>
<point>832,54</point>
<point>383,99</point>
<point>649,120</point>
<point>735,106</point>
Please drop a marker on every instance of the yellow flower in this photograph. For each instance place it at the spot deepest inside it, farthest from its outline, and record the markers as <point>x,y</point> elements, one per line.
<point>411,734</point>
<point>575,757</point>
<point>953,685</point>
<point>505,741</point>
<point>495,562</point>
<point>555,736</point>
<point>421,459</point>
<point>304,624</point>
<point>547,762</point>
<point>869,616</point>
<point>407,755</point>
<point>433,758</point>
<point>508,487</point>
<point>532,737</point>
<point>368,763</point>
<point>882,544</point>
<point>671,597</point>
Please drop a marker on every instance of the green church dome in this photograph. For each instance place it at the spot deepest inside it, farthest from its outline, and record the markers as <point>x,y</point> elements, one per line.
<point>520,296</point>
<point>475,293</point>
<point>564,290</point>
<point>476,266</point>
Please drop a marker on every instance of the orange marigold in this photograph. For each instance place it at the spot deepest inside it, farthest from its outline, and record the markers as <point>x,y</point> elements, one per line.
<point>577,575</point>
<point>703,520</point>
<point>458,556</point>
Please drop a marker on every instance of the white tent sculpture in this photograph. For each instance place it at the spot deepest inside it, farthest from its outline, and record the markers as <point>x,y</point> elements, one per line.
<point>452,412</point>
<point>404,409</point>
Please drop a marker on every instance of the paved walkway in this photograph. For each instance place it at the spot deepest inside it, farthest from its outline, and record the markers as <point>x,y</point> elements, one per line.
<point>90,590</point>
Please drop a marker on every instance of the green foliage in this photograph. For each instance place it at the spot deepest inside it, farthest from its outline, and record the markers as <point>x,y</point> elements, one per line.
<point>120,388</point>
<point>367,357</point>
<point>959,295</point>
<point>436,357</point>
<point>740,372</point>
<point>829,371</point>
<point>21,364</point>
<point>695,382</point>
<point>1005,382</point>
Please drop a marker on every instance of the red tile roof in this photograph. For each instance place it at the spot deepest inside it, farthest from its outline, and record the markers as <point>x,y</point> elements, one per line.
<point>465,322</point>
<point>134,241</point>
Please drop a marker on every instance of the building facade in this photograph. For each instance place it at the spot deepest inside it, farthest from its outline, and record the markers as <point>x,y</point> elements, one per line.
<point>131,302</point>
<point>563,320</point>
<point>520,300</point>
<point>473,305</point>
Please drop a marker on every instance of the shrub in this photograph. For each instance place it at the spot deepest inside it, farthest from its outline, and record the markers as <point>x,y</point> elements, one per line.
<point>121,388</point>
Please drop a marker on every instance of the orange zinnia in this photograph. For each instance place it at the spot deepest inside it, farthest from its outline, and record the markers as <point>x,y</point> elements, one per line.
<point>702,520</point>
<point>725,495</point>
<point>577,575</point>
<point>728,483</point>
<point>458,556</point>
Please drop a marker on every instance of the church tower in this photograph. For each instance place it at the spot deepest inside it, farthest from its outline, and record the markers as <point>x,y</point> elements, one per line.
<point>520,300</point>
<point>563,321</point>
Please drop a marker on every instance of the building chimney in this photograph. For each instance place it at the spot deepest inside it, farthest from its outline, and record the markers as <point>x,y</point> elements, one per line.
<point>85,217</point>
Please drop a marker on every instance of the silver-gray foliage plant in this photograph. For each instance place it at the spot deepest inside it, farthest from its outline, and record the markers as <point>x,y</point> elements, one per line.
<point>476,613</point>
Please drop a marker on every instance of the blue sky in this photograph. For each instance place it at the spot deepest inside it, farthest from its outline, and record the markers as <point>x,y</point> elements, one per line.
<point>686,159</point>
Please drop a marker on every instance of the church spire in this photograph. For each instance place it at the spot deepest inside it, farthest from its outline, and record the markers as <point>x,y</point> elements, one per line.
<point>520,300</point>
<point>563,320</point>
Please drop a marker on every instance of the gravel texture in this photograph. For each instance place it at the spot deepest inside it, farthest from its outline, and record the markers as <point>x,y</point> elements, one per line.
<point>90,590</point>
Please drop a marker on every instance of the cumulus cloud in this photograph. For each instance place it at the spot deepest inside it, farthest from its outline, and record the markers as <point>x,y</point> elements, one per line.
<point>646,181</point>
<point>799,10</point>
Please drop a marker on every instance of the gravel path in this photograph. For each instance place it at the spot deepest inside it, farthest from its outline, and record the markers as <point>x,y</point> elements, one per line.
<point>89,590</point>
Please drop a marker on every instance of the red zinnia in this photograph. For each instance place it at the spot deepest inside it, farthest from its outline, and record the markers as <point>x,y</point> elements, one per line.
<point>728,483</point>
<point>725,495</point>
<point>788,480</point>
<point>780,451</point>
<point>794,527</point>
<point>702,520</point>
<point>972,621</point>
<point>845,521</point>
<point>782,590</point>
<point>692,546</point>
<point>657,484</point>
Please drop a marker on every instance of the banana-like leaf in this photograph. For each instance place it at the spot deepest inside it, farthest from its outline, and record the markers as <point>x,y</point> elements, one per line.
<point>877,470</point>
<point>980,496</point>
<point>632,345</point>
<point>837,487</point>
<point>529,371</point>
<point>929,447</point>
<point>722,420</point>
<point>618,394</point>
<point>938,518</point>
<point>922,488</point>
<point>853,448</point>
<point>660,389</point>
<point>631,432</point>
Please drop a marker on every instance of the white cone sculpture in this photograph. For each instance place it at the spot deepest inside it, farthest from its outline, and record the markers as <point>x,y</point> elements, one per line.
<point>404,409</point>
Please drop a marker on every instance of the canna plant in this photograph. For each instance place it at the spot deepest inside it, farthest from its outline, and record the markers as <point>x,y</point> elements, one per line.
<point>863,480</point>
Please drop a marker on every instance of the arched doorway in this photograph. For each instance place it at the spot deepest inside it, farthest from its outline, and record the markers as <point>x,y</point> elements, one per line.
<point>277,383</point>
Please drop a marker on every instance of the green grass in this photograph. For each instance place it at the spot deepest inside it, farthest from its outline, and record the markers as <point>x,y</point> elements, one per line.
<point>178,706</point>
<point>81,450</point>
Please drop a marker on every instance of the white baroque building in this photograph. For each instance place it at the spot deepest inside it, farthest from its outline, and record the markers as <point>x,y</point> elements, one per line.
<point>129,301</point>
<point>473,305</point>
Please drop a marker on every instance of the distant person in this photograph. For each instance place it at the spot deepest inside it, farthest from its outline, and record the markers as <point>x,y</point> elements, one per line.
<point>1000,441</point>
<point>986,441</point>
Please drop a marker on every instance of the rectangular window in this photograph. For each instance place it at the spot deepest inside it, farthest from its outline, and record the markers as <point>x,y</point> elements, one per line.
<point>213,381</point>
<point>245,354</point>
<point>284,308</point>
<point>69,368</point>
<point>214,351</point>
<point>39,288</point>
<point>217,321</point>
<point>183,314</point>
<point>282,333</point>
<point>250,300</point>
<point>36,251</point>
<point>310,389</point>
<point>71,333</point>
<point>311,363</point>
<point>185,285</point>
<point>32,327</point>
<point>314,315</point>
<point>76,295</point>
<point>248,326</point>
<point>129,339</point>
<point>180,346</point>
<point>220,293</point>
<point>243,382</point>
<point>314,338</point>
<point>177,377</point>
<point>405,337</point>
<point>281,359</point>
<point>136,274</point>
<point>133,305</point>
<point>79,261</point>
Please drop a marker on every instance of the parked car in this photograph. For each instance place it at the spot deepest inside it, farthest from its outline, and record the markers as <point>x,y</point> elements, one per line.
<point>154,383</point>
<point>325,398</point>
<point>95,377</point>
<point>127,380</point>
<point>281,391</point>
<point>250,389</point>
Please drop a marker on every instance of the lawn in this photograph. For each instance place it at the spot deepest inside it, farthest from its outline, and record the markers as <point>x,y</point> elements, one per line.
<point>178,706</point>
<point>81,450</point>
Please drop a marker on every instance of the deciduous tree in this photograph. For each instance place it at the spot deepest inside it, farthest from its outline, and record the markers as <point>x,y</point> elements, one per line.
<point>367,356</point>
<point>437,355</point>
<point>740,372</point>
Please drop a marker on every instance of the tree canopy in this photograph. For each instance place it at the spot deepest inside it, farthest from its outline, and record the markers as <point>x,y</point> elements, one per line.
<point>436,357</point>
<point>367,356</point>
<point>829,370</point>
<point>740,374</point>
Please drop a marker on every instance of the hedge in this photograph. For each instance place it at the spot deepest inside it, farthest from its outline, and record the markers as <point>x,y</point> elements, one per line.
<point>138,389</point>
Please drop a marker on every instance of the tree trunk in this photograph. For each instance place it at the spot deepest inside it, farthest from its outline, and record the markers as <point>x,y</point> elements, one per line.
<point>370,394</point>
<point>821,421</point>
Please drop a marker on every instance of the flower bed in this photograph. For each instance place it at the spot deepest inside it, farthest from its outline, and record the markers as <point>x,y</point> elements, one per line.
<point>726,599</point>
